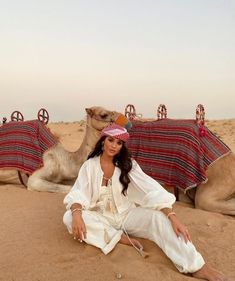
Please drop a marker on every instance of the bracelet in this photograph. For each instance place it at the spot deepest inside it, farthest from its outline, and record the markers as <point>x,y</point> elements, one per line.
<point>76,209</point>
<point>171,213</point>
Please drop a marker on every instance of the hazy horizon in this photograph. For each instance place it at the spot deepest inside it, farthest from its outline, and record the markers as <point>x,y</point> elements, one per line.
<point>68,55</point>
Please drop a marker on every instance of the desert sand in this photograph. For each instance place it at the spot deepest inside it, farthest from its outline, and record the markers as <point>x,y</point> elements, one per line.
<point>35,245</point>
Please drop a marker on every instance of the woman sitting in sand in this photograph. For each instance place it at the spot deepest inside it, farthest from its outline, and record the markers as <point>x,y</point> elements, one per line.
<point>113,198</point>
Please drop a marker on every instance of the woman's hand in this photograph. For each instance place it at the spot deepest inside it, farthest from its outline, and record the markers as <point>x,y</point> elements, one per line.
<point>179,228</point>
<point>78,226</point>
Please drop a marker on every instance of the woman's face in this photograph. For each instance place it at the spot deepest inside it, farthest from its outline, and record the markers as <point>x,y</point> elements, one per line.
<point>112,146</point>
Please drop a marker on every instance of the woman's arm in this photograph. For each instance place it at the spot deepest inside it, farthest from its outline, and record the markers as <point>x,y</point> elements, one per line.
<point>146,191</point>
<point>77,199</point>
<point>178,227</point>
<point>78,225</point>
<point>81,190</point>
<point>168,212</point>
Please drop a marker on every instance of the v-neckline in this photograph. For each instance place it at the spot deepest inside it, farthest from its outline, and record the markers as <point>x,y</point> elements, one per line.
<point>103,177</point>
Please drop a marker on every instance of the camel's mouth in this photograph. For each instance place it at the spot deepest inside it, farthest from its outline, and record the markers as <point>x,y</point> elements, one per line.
<point>107,119</point>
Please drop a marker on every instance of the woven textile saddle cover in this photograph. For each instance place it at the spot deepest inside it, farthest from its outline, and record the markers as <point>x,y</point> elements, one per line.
<point>173,152</point>
<point>22,145</point>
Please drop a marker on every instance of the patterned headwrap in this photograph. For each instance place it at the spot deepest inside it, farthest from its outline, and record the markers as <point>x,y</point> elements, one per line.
<point>123,122</point>
<point>116,131</point>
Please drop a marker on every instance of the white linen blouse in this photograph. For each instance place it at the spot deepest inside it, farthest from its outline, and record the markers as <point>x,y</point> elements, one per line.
<point>142,189</point>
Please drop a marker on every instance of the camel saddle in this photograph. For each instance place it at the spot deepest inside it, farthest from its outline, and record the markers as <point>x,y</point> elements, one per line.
<point>174,152</point>
<point>22,145</point>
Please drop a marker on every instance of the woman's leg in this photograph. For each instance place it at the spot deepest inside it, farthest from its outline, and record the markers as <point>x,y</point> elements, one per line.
<point>99,232</point>
<point>155,226</point>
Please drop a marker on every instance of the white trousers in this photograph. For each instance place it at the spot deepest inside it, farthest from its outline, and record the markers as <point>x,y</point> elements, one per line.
<point>143,223</point>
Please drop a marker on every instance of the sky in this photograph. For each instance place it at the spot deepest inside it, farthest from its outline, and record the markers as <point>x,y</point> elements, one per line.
<point>66,55</point>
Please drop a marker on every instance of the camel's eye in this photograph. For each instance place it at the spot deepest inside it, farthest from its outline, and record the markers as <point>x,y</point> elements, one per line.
<point>103,116</point>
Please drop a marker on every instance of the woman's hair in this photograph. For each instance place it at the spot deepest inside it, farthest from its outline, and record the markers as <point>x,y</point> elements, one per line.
<point>122,160</point>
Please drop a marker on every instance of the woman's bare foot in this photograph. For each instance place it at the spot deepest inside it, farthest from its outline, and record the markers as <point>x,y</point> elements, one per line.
<point>210,274</point>
<point>124,240</point>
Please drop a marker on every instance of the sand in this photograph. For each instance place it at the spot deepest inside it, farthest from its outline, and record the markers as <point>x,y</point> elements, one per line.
<point>35,245</point>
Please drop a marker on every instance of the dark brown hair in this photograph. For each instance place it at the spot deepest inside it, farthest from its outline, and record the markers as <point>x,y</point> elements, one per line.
<point>122,160</point>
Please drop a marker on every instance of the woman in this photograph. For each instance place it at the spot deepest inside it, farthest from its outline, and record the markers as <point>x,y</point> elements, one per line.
<point>113,198</point>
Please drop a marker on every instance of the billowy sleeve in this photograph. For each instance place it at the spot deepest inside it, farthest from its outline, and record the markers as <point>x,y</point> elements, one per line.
<point>147,192</point>
<point>81,190</point>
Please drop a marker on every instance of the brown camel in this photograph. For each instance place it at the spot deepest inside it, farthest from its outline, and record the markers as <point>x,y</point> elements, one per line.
<point>61,167</point>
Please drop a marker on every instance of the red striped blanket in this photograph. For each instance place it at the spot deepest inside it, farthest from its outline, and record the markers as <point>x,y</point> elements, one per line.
<point>22,145</point>
<point>173,152</point>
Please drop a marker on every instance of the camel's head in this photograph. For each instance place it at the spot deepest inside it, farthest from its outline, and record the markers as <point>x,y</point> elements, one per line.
<point>99,117</point>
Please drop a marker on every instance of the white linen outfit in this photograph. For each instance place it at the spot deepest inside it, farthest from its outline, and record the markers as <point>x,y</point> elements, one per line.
<point>107,212</point>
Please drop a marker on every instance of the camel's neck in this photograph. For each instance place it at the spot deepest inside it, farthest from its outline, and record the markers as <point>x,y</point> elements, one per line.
<point>91,137</point>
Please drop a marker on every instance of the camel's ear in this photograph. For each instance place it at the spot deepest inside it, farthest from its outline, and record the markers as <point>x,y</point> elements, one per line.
<point>89,111</point>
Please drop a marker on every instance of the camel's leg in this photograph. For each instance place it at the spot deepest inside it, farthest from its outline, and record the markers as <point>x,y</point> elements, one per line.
<point>217,195</point>
<point>205,200</point>
<point>9,177</point>
<point>38,182</point>
<point>47,178</point>
<point>23,177</point>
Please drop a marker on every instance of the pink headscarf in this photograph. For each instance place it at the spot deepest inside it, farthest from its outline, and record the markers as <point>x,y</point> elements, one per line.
<point>116,131</point>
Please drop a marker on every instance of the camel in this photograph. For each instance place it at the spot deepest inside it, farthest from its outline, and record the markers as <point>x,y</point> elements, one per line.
<point>158,149</point>
<point>218,193</point>
<point>61,167</point>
